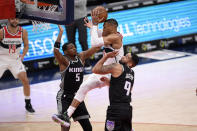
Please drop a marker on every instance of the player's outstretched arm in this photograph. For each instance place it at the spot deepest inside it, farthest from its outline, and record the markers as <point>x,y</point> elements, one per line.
<point>63,62</point>
<point>100,68</point>
<point>88,23</point>
<point>115,69</point>
<point>88,53</point>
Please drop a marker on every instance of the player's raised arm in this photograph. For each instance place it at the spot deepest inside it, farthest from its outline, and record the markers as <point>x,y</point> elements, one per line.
<point>63,62</point>
<point>88,53</point>
<point>100,68</point>
<point>111,36</point>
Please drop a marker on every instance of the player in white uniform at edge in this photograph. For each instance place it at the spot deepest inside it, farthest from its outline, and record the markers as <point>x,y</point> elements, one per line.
<point>111,39</point>
<point>11,38</point>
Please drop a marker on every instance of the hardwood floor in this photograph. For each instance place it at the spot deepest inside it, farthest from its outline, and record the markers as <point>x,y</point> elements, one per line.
<point>164,99</point>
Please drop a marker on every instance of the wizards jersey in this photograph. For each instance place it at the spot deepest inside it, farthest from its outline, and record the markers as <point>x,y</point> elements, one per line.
<point>11,43</point>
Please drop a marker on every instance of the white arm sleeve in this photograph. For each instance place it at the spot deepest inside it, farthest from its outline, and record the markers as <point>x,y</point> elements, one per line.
<point>100,31</point>
<point>95,39</point>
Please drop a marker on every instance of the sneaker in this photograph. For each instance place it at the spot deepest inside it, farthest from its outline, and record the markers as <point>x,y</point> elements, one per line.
<point>29,108</point>
<point>64,119</point>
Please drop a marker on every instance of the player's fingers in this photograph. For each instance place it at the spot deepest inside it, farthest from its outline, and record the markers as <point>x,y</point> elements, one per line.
<point>116,53</point>
<point>92,13</point>
<point>85,20</point>
<point>96,12</point>
<point>101,19</point>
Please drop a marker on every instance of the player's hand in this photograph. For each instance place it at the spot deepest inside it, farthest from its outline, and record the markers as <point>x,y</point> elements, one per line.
<point>88,22</point>
<point>111,54</point>
<point>21,57</point>
<point>61,28</point>
<point>95,17</point>
<point>105,80</point>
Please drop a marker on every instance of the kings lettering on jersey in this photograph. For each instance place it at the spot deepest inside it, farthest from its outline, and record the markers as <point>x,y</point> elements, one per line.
<point>73,69</point>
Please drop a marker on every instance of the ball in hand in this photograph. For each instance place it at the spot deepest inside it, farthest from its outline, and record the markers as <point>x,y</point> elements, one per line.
<point>102,13</point>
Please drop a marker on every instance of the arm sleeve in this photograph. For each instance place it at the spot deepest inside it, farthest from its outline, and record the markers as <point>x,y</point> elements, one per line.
<point>95,39</point>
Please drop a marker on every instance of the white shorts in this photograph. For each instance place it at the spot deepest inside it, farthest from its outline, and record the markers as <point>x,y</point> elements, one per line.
<point>14,65</point>
<point>92,82</point>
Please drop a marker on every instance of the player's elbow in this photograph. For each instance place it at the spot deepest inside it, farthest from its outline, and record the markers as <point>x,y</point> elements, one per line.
<point>94,70</point>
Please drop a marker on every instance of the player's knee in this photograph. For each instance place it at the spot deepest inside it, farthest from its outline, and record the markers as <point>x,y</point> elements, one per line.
<point>23,78</point>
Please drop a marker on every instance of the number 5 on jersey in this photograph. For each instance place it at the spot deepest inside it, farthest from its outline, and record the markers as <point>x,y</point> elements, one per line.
<point>77,76</point>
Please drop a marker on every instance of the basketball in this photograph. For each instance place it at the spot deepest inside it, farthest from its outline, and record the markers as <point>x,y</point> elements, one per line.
<point>102,13</point>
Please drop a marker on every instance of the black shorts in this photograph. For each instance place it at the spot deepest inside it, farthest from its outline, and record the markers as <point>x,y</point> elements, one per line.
<point>119,118</point>
<point>64,101</point>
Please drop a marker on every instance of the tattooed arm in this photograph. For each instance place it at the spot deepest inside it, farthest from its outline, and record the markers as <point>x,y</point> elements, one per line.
<point>115,69</point>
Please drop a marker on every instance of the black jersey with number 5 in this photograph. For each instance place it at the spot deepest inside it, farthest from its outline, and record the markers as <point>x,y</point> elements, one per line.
<point>72,76</point>
<point>120,87</point>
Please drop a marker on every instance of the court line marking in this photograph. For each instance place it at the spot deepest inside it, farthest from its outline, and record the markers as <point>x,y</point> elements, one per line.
<point>35,122</point>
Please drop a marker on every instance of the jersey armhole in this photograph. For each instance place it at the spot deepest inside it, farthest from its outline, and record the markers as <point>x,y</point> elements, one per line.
<point>65,68</point>
<point>81,60</point>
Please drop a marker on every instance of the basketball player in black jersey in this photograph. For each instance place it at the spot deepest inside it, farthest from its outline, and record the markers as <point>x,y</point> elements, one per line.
<point>119,112</point>
<point>71,69</point>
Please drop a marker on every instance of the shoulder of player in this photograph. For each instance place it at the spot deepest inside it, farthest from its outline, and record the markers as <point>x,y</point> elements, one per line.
<point>1,30</point>
<point>80,56</point>
<point>117,69</point>
<point>116,66</point>
<point>116,36</point>
<point>24,31</point>
<point>130,70</point>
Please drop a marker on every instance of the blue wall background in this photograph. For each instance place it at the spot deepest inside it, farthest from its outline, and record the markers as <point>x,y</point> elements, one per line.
<point>136,25</point>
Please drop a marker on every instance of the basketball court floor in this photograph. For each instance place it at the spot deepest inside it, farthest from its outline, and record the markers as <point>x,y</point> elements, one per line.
<point>163,98</point>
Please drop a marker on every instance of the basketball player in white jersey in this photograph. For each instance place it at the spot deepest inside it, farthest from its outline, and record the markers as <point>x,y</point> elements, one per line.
<point>111,39</point>
<point>11,38</point>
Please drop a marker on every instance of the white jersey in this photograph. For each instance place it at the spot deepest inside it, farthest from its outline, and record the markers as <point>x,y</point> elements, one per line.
<point>11,43</point>
<point>9,52</point>
<point>94,80</point>
<point>115,59</point>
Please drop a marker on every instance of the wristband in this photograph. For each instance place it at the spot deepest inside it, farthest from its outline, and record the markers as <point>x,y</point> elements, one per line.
<point>57,45</point>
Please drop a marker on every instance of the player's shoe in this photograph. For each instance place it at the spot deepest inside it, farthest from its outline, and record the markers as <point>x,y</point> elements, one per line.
<point>62,119</point>
<point>29,108</point>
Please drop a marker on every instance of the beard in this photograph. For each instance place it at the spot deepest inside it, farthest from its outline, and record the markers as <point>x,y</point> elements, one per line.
<point>121,62</point>
<point>14,25</point>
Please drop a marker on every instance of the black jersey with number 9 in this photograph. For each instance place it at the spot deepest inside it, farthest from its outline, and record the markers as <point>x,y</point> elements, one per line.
<point>120,87</point>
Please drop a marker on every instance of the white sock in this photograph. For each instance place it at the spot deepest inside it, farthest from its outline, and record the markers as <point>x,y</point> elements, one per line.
<point>27,97</point>
<point>70,110</point>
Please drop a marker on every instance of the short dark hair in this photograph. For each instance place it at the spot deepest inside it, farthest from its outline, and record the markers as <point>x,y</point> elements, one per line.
<point>135,58</point>
<point>112,21</point>
<point>65,46</point>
